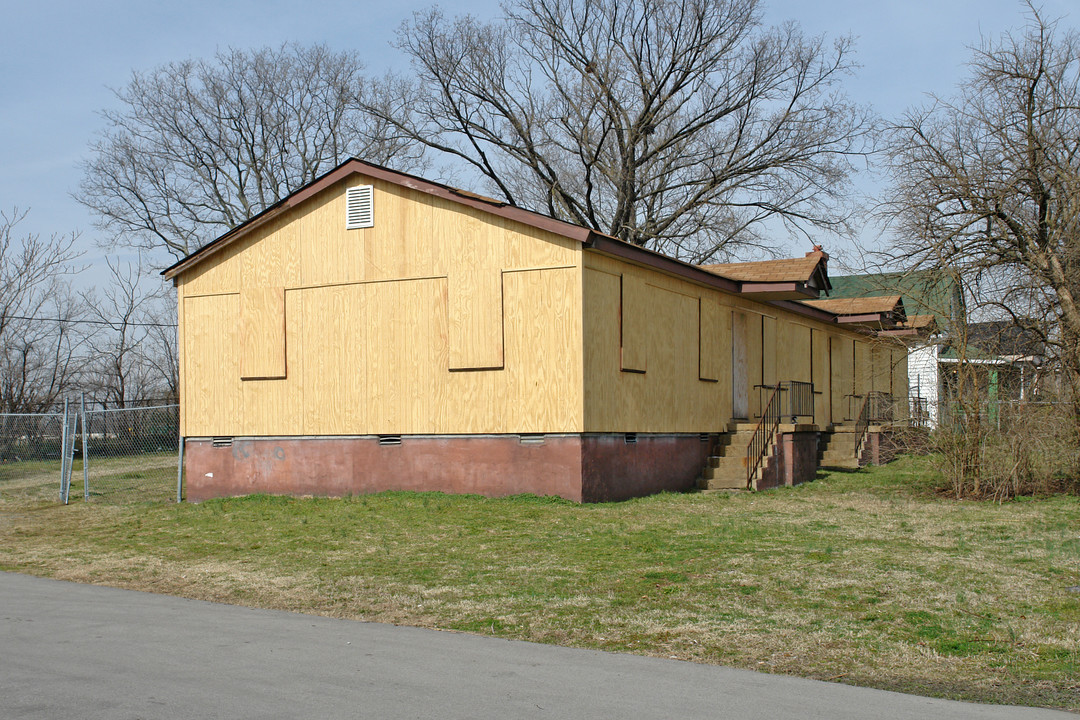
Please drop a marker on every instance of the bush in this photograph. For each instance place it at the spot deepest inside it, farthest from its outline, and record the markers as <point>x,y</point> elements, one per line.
<point>1003,450</point>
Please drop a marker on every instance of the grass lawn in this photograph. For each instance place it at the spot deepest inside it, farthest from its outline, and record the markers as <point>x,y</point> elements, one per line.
<point>862,577</point>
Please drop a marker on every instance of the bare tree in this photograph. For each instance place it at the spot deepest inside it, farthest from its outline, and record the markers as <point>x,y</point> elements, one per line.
<point>680,125</point>
<point>133,352</point>
<point>160,349</point>
<point>987,184</point>
<point>198,147</point>
<point>40,339</point>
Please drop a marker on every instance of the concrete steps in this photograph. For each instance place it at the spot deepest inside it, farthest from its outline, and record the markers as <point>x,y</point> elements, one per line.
<point>837,449</point>
<point>726,469</point>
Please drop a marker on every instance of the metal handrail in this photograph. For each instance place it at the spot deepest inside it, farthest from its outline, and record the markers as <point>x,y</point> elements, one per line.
<point>800,399</point>
<point>862,424</point>
<point>881,406</point>
<point>766,429</point>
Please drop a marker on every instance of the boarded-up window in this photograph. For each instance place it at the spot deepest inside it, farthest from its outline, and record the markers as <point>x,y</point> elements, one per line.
<point>712,336</point>
<point>768,351</point>
<point>475,298</point>
<point>740,373</point>
<point>262,335</point>
<point>634,324</point>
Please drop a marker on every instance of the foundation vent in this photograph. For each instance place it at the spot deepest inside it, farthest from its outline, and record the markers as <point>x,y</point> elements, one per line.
<point>223,442</point>
<point>704,437</point>
<point>359,207</point>
<point>630,438</point>
<point>531,438</point>
<point>389,439</point>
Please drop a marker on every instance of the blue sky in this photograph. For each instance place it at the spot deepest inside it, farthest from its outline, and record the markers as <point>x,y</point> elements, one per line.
<point>59,60</point>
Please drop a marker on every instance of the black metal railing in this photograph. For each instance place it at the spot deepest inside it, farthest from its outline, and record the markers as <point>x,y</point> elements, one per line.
<point>800,399</point>
<point>882,407</point>
<point>862,424</point>
<point>763,435</point>
<point>918,412</point>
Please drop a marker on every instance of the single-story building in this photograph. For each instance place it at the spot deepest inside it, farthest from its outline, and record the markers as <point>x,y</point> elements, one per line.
<point>375,330</point>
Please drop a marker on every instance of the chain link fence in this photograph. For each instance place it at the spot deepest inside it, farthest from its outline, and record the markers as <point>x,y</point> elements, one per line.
<point>101,455</point>
<point>31,448</point>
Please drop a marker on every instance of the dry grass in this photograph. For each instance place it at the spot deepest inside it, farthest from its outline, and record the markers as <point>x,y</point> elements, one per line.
<point>866,578</point>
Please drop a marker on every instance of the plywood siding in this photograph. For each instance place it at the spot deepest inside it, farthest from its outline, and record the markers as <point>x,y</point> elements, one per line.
<point>754,362</point>
<point>821,376</point>
<point>863,368</point>
<point>180,353</point>
<point>714,325</point>
<point>274,407</point>
<point>881,368</point>
<point>669,395</point>
<point>740,366</point>
<point>262,336</point>
<point>741,342</point>
<point>392,329</point>
<point>794,351</point>
<point>842,357</point>
<point>212,394</point>
<point>899,356</point>
<point>636,325</point>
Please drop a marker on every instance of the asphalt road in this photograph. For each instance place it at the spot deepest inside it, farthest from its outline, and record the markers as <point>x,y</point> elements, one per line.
<point>82,651</point>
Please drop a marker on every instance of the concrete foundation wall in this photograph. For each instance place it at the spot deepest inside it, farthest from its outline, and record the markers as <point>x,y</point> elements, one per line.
<point>583,468</point>
<point>613,469</point>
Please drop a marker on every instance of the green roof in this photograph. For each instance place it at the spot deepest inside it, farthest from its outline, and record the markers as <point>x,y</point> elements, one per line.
<point>924,292</point>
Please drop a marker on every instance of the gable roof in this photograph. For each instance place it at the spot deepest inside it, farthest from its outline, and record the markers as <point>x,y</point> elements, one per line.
<point>924,292</point>
<point>785,279</point>
<point>859,306</point>
<point>809,273</point>
<point>354,166</point>
<point>785,270</point>
<point>999,339</point>
<point>882,313</point>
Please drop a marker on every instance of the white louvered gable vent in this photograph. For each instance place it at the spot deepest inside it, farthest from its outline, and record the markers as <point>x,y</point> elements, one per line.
<point>359,207</point>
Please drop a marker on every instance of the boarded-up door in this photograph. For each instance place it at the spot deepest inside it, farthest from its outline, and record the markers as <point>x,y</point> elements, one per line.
<point>819,375</point>
<point>740,381</point>
<point>842,359</point>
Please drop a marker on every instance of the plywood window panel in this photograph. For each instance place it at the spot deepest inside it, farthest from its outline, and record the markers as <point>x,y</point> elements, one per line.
<point>768,351</point>
<point>843,363</point>
<point>794,353</point>
<point>475,307</point>
<point>634,324</point>
<point>900,381</point>
<point>740,372</point>
<point>862,368</point>
<point>262,338</point>
<point>820,374</point>
<point>212,387</point>
<point>711,337</point>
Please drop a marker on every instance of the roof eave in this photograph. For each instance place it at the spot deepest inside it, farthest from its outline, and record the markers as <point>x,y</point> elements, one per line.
<point>625,251</point>
<point>779,291</point>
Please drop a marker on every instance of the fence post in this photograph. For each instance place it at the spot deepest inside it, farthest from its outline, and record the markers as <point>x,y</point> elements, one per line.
<point>180,472</point>
<point>85,449</point>
<point>64,456</point>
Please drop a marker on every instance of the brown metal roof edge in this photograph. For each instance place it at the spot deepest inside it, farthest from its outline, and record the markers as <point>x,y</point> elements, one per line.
<point>797,307</point>
<point>354,166</point>
<point>651,258</point>
<point>751,288</point>
<point>864,318</point>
